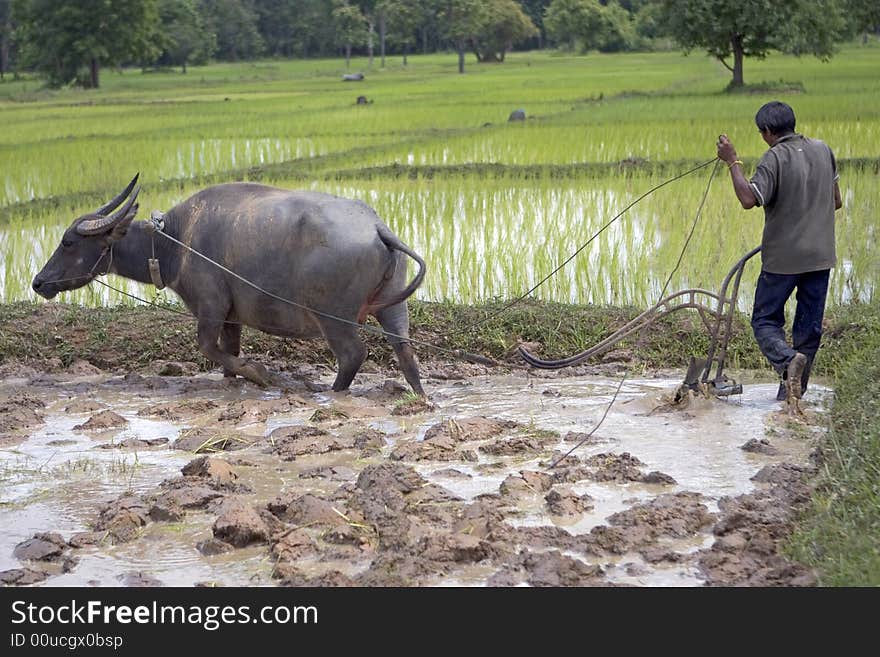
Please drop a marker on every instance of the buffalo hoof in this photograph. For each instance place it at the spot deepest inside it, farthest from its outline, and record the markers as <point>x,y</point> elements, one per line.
<point>255,372</point>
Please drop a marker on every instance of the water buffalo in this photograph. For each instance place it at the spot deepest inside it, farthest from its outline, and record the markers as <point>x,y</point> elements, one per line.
<point>332,255</point>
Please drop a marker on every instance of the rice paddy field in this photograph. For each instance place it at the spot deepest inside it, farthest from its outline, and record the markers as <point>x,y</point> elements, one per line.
<point>493,206</point>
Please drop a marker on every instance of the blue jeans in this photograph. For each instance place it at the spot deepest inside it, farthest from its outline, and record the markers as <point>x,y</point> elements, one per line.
<point>768,317</point>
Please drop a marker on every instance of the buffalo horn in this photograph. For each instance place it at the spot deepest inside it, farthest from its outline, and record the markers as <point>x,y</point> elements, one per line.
<point>103,224</point>
<point>112,205</point>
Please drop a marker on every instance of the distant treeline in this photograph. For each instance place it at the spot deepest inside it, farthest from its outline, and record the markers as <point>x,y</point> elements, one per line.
<point>69,41</point>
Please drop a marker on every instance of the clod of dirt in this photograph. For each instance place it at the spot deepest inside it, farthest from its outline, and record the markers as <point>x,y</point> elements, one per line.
<point>451,473</point>
<point>136,443</point>
<point>549,569</point>
<point>333,473</point>
<point>436,448</point>
<point>83,368</point>
<point>328,415</point>
<point>356,535</point>
<point>101,421</point>
<point>84,406</point>
<point>470,429</point>
<point>457,548</point>
<point>390,476</point>
<point>123,518</point>
<point>567,503</point>
<point>217,470</point>
<point>138,579</point>
<point>370,441</point>
<point>187,494</point>
<point>82,539</point>
<point>671,515</point>
<point>784,473</point>
<point>527,482</point>
<point>655,555</point>
<point>761,446</point>
<point>615,467</point>
<point>162,511</point>
<point>239,524</point>
<point>412,406</point>
<point>20,411</point>
<point>201,440</point>
<point>213,546</point>
<point>247,411</point>
<point>305,510</point>
<point>175,368</point>
<point>292,546</point>
<point>655,477</point>
<point>517,445</point>
<point>294,577</point>
<point>178,410</point>
<point>290,442</point>
<point>22,576</point>
<point>751,530</point>
<point>42,547</point>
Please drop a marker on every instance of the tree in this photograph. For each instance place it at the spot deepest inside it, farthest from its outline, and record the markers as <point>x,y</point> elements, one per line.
<point>61,39</point>
<point>183,34</point>
<point>586,24</point>
<point>461,21</point>
<point>504,24</point>
<point>235,24</point>
<point>351,27</point>
<point>535,9</point>
<point>401,23</point>
<point>751,28</point>
<point>863,16</point>
<point>574,23</point>
<point>5,35</point>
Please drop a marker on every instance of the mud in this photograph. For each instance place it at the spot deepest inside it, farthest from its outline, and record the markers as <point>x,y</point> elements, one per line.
<point>169,477</point>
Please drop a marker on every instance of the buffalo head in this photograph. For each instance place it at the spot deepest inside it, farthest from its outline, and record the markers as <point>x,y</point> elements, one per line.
<point>85,246</point>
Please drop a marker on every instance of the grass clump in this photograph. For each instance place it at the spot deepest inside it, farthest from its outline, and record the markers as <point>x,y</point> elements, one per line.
<point>839,534</point>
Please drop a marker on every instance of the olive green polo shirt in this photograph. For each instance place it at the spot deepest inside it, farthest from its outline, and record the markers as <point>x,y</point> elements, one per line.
<point>794,183</point>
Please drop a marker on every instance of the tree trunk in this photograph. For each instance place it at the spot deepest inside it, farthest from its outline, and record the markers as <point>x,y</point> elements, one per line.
<point>94,72</point>
<point>461,58</point>
<point>736,42</point>
<point>347,55</point>
<point>405,48</point>
<point>370,34</point>
<point>4,52</point>
<point>382,37</point>
<point>184,67</point>
<point>424,31</point>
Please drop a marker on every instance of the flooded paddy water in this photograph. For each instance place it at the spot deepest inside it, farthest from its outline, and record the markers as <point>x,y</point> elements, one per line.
<point>187,480</point>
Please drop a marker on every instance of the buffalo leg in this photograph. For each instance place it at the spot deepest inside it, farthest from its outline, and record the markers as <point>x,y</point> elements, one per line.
<point>230,342</point>
<point>349,349</point>
<point>208,334</point>
<point>395,319</point>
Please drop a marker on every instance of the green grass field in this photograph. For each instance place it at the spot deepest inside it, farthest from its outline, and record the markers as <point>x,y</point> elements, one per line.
<point>493,206</point>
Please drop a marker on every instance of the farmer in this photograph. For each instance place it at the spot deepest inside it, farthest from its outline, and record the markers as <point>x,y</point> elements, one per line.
<point>796,184</point>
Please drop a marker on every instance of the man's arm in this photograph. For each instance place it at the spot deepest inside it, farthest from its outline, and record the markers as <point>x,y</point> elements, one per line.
<point>744,191</point>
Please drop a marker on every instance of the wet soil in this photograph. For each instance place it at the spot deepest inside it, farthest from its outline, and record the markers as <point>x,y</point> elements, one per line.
<point>185,478</point>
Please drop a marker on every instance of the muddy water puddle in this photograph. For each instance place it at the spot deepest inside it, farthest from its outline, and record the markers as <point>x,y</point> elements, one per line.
<point>323,488</point>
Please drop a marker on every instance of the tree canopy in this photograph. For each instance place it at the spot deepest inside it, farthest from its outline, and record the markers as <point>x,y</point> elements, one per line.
<point>752,28</point>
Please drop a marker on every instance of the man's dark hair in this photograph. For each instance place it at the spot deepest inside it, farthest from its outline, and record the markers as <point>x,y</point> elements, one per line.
<point>777,117</point>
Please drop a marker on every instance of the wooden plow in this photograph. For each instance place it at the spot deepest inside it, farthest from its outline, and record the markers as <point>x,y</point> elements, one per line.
<point>715,310</point>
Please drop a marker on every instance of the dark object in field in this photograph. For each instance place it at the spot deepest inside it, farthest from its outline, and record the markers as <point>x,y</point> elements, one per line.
<point>517,115</point>
<point>334,258</point>
<point>362,100</point>
<point>352,77</point>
